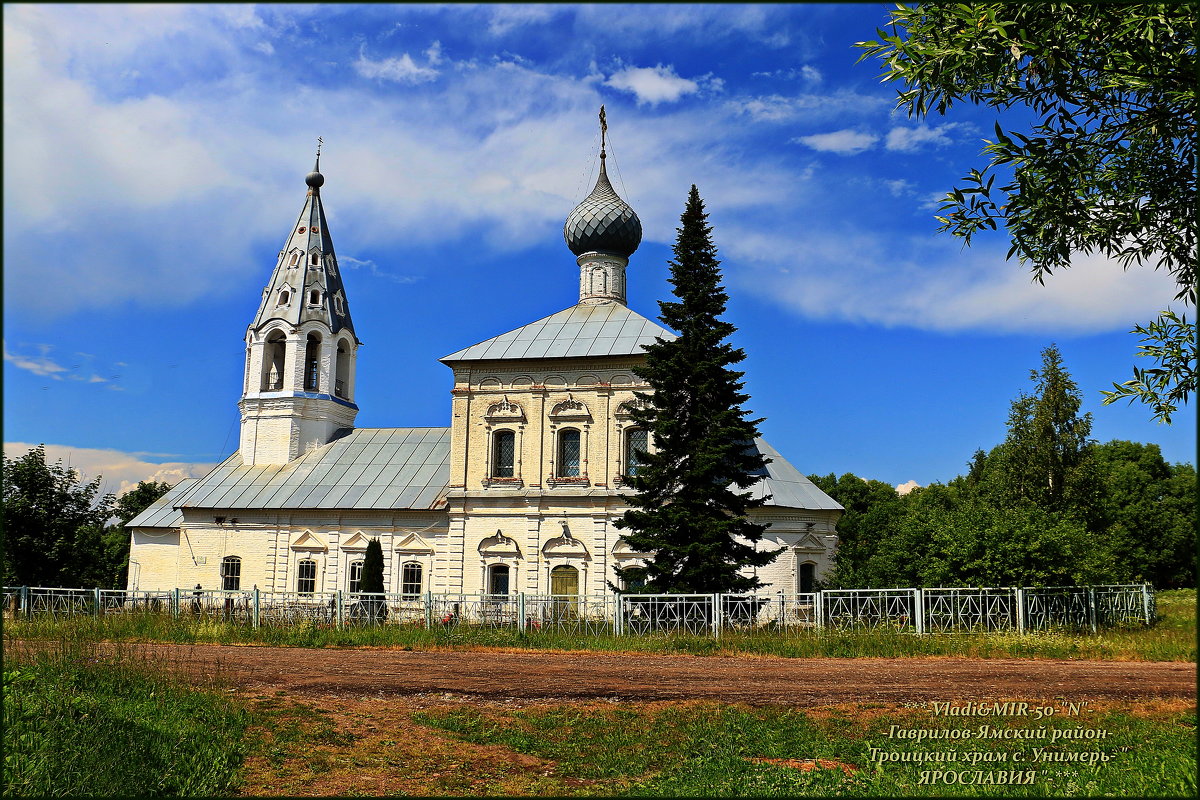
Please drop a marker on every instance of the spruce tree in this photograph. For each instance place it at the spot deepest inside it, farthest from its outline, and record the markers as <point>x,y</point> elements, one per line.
<point>372,569</point>
<point>690,504</point>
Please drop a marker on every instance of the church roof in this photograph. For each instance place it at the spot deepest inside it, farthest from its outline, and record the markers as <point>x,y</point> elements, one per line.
<point>604,329</point>
<point>367,468</point>
<point>787,486</point>
<point>162,513</point>
<point>309,237</point>
<point>387,469</point>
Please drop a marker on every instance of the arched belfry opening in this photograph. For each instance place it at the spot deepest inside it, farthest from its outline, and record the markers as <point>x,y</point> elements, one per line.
<point>274,358</point>
<point>341,381</point>
<point>312,363</point>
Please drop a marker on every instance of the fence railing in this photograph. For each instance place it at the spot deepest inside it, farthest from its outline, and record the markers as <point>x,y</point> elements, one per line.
<point>920,611</point>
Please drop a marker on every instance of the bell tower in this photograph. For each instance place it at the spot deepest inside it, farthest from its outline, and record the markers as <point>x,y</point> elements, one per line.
<point>298,389</point>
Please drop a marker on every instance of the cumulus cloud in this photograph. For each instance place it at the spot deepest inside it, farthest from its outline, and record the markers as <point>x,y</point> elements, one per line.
<point>933,284</point>
<point>906,487</point>
<point>120,470</point>
<point>400,70</point>
<point>653,85</point>
<point>907,140</point>
<point>846,142</point>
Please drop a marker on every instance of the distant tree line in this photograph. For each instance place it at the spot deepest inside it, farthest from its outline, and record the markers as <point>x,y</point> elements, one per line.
<point>1048,506</point>
<point>59,531</point>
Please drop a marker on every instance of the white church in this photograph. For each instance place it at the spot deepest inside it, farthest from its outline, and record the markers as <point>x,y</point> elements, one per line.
<point>518,494</point>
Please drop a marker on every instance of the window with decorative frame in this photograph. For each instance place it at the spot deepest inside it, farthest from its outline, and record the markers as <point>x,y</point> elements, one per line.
<point>306,576</point>
<point>231,573</point>
<point>637,441</point>
<point>504,454</point>
<point>498,579</point>
<point>412,576</point>
<point>569,460</point>
<point>355,577</point>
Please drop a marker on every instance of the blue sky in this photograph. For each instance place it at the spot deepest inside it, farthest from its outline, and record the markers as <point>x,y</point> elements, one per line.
<point>154,160</point>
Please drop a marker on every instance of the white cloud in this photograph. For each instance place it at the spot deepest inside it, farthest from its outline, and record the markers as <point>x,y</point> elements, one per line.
<point>907,140</point>
<point>400,70</point>
<point>120,471</point>
<point>266,48</point>
<point>846,142</point>
<point>506,18</point>
<point>38,365</point>
<point>806,73</point>
<point>780,108</point>
<point>434,54</point>
<point>931,283</point>
<point>653,85</point>
<point>899,187</point>
<point>908,486</point>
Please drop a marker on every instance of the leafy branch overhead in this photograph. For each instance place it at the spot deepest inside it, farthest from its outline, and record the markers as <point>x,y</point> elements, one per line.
<point>1108,166</point>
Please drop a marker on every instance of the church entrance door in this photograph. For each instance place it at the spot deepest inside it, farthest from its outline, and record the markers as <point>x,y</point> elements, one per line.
<point>564,586</point>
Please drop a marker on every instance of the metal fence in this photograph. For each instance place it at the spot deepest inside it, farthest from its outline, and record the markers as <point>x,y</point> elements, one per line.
<point>921,611</point>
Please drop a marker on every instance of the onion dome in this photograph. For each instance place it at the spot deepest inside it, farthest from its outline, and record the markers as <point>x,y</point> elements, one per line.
<point>603,222</point>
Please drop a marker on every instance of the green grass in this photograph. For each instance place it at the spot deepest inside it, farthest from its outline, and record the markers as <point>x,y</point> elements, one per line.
<point>706,750</point>
<point>78,722</point>
<point>1173,638</point>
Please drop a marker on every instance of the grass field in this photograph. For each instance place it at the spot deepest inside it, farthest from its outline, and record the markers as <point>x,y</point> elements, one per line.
<point>1173,638</point>
<point>78,723</point>
<point>707,749</point>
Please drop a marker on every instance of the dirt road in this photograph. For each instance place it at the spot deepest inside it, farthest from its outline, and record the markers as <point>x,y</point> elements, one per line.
<point>755,680</point>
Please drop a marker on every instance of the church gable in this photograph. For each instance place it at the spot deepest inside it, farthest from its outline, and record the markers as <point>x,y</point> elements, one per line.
<point>310,543</point>
<point>809,543</point>
<point>356,542</point>
<point>414,544</point>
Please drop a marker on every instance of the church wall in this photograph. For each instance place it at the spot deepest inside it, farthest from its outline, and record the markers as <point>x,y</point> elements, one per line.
<point>153,559</point>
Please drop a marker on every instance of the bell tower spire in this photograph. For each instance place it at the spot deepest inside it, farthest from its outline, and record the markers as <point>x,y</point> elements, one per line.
<point>301,347</point>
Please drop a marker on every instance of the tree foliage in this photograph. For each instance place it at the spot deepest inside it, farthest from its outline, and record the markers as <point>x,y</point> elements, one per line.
<point>690,504</point>
<point>1047,506</point>
<point>53,524</point>
<point>372,569</point>
<point>1109,164</point>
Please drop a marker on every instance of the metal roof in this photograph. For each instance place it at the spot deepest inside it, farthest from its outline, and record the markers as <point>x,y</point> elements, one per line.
<point>787,486</point>
<point>162,513</point>
<point>603,329</point>
<point>388,468</point>
<point>368,468</point>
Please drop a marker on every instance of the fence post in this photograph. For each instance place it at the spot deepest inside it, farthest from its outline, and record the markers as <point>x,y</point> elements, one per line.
<point>819,608</point>
<point>96,602</point>
<point>522,623</point>
<point>255,618</point>
<point>1091,595</point>
<point>1146,603</point>
<point>26,605</point>
<point>716,615</point>
<point>619,616</point>
<point>428,610</point>
<point>919,610</point>
<point>1020,601</point>
<point>175,602</point>
<point>340,616</point>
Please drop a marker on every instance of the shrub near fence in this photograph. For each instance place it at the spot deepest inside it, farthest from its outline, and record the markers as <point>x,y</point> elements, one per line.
<point>921,611</point>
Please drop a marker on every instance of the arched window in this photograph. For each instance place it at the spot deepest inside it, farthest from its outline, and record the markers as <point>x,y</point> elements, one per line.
<point>306,576</point>
<point>341,384</point>
<point>411,575</point>
<point>312,363</point>
<point>504,454</point>
<point>355,584</point>
<point>284,296</point>
<point>314,258</point>
<point>314,297</point>
<point>498,579</point>
<point>808,580</point>
<point>568,453</point>
<point>636,441</point>
<point>272,366</point>
<point>295,259</point>
<point>231,573</point>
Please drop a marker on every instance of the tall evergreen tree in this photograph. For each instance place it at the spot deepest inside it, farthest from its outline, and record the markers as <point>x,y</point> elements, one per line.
<point>690,505</point>
<point>372,569</point>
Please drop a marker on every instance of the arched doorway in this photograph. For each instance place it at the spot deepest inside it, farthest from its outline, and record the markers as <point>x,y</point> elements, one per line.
<point>564,588</point>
